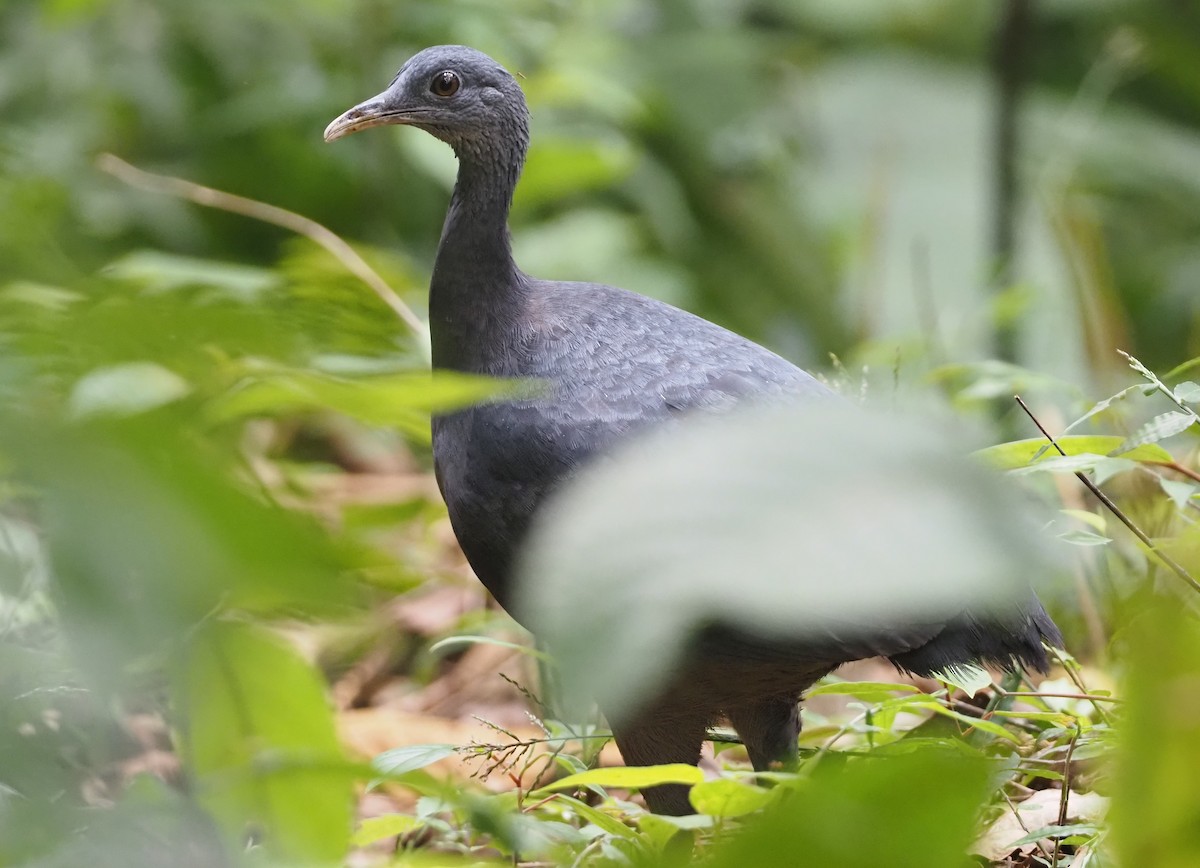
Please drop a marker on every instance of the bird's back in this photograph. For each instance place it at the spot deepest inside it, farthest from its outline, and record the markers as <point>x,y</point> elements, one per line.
<point>611,363</point>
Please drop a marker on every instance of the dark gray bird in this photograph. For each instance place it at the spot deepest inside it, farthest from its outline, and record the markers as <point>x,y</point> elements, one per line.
<point>616,362</point>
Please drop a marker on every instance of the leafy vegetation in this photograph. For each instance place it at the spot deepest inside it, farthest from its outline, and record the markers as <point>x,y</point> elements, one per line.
<point>233,626</point>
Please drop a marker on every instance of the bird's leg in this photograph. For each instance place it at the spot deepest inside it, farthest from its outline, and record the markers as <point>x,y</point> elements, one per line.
<point>769,728</point>
<point>663,735</point>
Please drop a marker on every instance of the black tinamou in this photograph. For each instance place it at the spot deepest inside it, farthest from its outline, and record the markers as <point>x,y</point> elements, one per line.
<point>615,363</point>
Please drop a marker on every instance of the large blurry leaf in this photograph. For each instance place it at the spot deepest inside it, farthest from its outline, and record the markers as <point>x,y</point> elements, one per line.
<point>915,811</point>
<point>147,536</point>
<point>258,737</point>
<point>1155,812</point>
<point>793,523</point>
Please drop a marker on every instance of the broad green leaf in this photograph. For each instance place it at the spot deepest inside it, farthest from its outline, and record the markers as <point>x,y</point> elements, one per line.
<point>401,760</point>
<point>149,536</point>
<point>728,798</point>
<point>835,521</point>
<point>1159,428</point>
<point>257,733</point>
<point>1019,453</point>
<point>375,829</point>
<point>1155,789</point>
<point>905,811</point>
<point>628,777</point>
<point>126,389</point>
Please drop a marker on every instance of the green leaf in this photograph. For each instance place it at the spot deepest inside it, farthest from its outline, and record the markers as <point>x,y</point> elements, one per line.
<point>867,691</point>
<point>907,811</point>
<point>164,272</point>
<point>401,760</point>
<point>1188,392</point>
<point>1159,428</point>
<point>974,722</point>
<point>1179,491</point>
<point>1085,830</point>
<point>375,829</point>
<point>402,401</point>
<point>1020,453</point>
<point>126,389</point>
<point>627,777</point>
<point>257,733</point>
<point>728,798</point>
<point>969,679</point>
<point>610,824</point>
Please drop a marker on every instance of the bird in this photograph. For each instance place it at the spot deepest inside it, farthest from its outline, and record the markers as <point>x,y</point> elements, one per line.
<point>613,363</point>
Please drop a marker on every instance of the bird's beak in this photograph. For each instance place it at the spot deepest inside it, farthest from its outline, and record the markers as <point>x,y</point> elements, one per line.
<point>372,113</point>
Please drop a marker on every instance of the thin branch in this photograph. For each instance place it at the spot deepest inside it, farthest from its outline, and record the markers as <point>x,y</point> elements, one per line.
<point>1089,697</point>
<point>1166,559</point>
<point>1066,793</point>
<point>273,214</point>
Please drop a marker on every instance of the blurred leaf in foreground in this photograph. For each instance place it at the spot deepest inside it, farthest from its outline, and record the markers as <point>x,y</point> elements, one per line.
<point>260,742</point>
<point>785,522</point>
<point>1155,811</point>
<point>914,811</point>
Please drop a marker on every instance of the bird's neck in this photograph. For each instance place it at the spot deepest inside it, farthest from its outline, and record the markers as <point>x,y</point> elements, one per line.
<point>477,293</point>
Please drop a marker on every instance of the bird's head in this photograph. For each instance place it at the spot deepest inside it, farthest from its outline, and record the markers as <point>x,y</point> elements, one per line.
<point>457,94</point>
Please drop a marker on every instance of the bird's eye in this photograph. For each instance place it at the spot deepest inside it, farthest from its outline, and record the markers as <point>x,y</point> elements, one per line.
<point>445,83</point>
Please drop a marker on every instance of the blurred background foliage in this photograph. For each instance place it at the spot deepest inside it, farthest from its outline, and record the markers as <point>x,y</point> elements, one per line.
<point>194,406</point>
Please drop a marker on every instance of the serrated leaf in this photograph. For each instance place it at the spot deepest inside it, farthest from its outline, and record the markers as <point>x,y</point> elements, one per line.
<point>125,390</point>
<point>728,798</point>
<point>401,760</point>
<point>1159,428</point>
<point>1020,453</point>
<point>628,777</point>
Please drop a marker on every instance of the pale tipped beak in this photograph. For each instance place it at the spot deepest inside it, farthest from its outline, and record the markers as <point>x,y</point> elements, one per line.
<point>372,113</point>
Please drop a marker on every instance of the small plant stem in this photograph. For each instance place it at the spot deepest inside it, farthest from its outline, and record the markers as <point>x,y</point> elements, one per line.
<point>1166,559</point>
<point>1066,793</point>
<point>273,214</point>
<point>1089,697</point>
